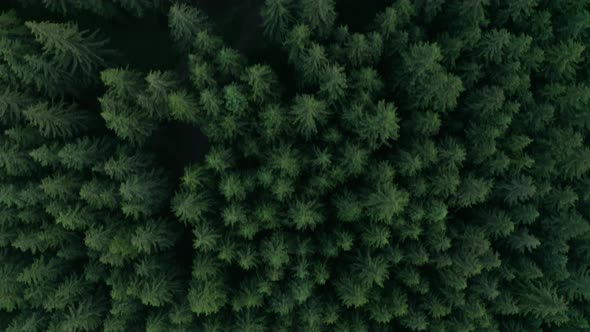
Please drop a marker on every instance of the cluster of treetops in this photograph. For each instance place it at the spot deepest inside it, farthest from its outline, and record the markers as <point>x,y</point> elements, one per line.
<point>428,172</point>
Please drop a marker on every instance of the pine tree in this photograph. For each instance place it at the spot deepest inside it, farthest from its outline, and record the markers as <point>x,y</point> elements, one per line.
<point>159,85</point>
<point>207,297</point>
<point>542,302</point>
<point>319,15</point>
<point>11,289</point>
<point>143,194</point>
<point>518,190</point>
<point>352,293</point>
<point>12,103</point>
<point>307,114</point>
<point>126,162</point>
<point>296,41</point>
<point>385,203</point>
<point>86,315</point>
<point>184,23</point>
<point>381,126</point>
<point>183,107</point>
<point>313,63</point>
<point>100,194</point>
<point>363,50</point>
<point>58,120</point>
<point>333,84</point>
<point>128,124</point>
<point>77,51</point>
<point>229,62</point>
<point>472,190</point>
<point>387,22</point>
<point>61,186</point>
<point>277,17</point>
<point>84,153</point>
<point>426,80</point>
<point>275,251</point>
<point>384,309</point>
<point>367,81</point>
<point>273,119</point>
<point>76,218</point>
<point>262,83</point>
<point>371,270</point>
<point>14,162</point>
<point>123,83</point>
<point>305,214</point>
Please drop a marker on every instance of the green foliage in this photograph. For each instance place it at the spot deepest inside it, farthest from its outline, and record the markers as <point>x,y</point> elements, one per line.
<point>183,107</point>
<point>426,80</point>
<point>184,23</point>
<point>84,153</point>
<point>126,162</point>
<point>85,316</point>
<point>380,126</point>
<point>542,302</point>
<point>206,297</point>
<point>385,203</point>
<point>305,215</point>
<point>75,218</point>
<point>352,293</point>
<point>308,114</point>
<point>131,107</point>
<point>418,165</point>
<point>153,236</point>
<point>472,190</point>
<point>333,84</point>
<point>230,63</point>
<point>277,17</point>
<point>57,120</point>
<point>53,58</point>
<point>132,127</point>
<point>189,207</point>
<point>99,194</point>
<point>122,83</point>
<point>319,15</point>
<point>60,186</point>
<point>142,194</point>
<point>72,49</point>
<point>262,83</point>
<point>11,105</point>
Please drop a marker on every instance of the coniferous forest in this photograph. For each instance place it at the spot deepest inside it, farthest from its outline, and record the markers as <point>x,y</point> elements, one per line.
<point>295,165</point>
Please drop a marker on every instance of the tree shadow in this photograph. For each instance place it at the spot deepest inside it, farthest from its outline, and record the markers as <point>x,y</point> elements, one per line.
<point>177,145</point>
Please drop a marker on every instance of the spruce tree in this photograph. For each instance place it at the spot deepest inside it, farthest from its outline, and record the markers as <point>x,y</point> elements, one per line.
<point>74,50</point>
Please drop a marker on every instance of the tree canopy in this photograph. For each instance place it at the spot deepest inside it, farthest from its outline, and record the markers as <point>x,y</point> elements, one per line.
<point>334,166</point>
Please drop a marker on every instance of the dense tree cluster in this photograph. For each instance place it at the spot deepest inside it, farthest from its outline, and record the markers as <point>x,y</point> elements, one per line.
<point>427,173</point>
